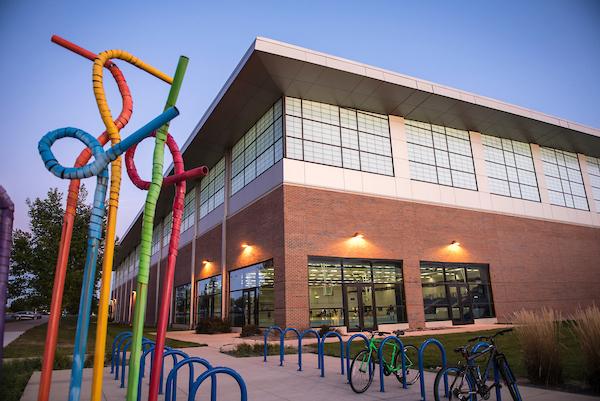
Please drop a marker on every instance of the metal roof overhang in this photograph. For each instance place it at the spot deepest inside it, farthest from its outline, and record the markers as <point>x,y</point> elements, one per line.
<point>270,69</point>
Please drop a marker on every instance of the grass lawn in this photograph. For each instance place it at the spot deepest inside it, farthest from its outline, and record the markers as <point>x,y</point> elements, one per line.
<point>16,373</point>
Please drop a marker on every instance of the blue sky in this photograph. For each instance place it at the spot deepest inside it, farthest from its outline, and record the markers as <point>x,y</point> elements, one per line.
<point>544,55</point>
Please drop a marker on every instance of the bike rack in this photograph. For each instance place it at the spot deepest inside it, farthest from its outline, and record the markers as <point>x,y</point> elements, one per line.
<point>496,372</point>
<point>300,338</point>
<point>173,353</point>
<point>380,356</point>
<point>145,342</point>
<point>440,346</point>
<point>214,371</point>
<point>266,334</point>
<point>348,345</point>
<point>118,337</point>
<point>321,349</point>
<point>116,358</point>
<point>171,385</point>
<point>282,342</point>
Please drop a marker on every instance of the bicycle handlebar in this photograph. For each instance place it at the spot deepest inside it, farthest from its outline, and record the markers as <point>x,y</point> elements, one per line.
<point>500,333</point>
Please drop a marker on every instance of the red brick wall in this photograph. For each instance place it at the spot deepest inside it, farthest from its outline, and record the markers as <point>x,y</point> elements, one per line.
<point>533,263</point>
<point>208,247</point>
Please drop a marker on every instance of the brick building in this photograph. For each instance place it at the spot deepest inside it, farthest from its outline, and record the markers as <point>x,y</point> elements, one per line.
<point>347,195</point>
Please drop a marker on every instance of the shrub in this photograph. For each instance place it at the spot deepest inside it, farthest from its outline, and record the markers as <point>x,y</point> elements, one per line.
<point>324,329</point>
<point>212,326</point>
<point>586,327</point>
<point>539,333</point>
<point>248,350</point>
<point>250,330</point>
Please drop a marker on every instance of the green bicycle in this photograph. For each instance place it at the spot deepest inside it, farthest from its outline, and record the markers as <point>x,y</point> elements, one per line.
<point>362,368</point>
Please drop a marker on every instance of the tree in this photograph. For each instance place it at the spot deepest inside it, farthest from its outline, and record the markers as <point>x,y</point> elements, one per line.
<point>34,253</point>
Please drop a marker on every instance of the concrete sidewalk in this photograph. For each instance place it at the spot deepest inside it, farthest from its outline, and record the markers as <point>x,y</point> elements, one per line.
<point>13,330</point>
<point>269,382</point>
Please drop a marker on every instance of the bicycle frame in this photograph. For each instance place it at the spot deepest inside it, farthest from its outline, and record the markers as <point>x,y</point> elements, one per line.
<point>373,347</point>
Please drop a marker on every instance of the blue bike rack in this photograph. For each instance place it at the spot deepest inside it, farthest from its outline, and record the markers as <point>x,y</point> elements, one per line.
<point>282,342</point>
<point>117,352</point>
<point>173,353</point>
<point>171,385</point>
<point>475,349</point>
<point>145,343</point>
<point>266,334</point>
<point>440,346</point>
<point>380,356</point>
<point>321,349</point>
<point>118,338</point>
<point>215,371</point>
<point>348,345</point>
<point>300,338</point>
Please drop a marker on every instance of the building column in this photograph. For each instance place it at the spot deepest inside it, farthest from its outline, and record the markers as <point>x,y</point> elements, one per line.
<point>413,293</point>
<point>194,263</point>
<point>224,275</point>
<point>587,183</point>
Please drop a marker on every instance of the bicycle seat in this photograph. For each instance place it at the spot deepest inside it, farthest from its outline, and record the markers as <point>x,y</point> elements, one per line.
<point>399,333</point>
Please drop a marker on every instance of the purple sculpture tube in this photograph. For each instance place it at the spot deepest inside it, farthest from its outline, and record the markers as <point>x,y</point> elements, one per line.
<point>7,210</point>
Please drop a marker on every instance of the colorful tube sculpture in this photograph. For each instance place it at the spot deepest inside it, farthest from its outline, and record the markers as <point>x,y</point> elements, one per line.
<point>7,211</point>
<point>68,221</point>
<point>179,179</point>
<point>98,168</point>
<point>146,238</point>
<point>115,185</point>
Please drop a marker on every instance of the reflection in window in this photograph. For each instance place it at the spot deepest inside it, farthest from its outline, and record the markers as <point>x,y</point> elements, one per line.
<point>155,240</point>
<point>212,189</point>
<point>440,155</point>
<point>260,148</point>
<point>252,299</point>
<point>335,136</point>
<point>189,205</point>
<point>441,281</point>
<point>209,297</point>
<point>563,179</point>
<point>182,304</point>
<point>510,168</point>
<point>593,167</point>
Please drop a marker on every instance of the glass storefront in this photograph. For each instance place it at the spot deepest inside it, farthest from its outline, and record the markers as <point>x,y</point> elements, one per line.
<point>460,292</point>
<point>356,293</point>
<point>209,297</point>
<point>182,304</point>
<point>252,298</point>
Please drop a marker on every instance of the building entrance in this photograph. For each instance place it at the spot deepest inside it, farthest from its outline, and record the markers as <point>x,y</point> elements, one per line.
<point>461,304</point>
<point>360,303</point>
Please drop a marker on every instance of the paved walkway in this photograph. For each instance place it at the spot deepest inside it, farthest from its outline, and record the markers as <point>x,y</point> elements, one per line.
<point>13,330</point>
<point>270,382</point>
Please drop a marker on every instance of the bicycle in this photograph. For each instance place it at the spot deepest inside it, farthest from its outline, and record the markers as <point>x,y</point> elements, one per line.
<point>362,368</point>
<point>469,382</point>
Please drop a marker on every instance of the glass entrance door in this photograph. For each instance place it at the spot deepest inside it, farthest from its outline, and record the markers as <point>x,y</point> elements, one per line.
<point>250,310</point>
<point>360,306</point>
<point>461,305</point>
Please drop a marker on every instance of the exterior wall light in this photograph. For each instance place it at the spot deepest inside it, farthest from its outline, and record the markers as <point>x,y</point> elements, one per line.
<point>245,245</point>
<point>205,261</point>
<point>358,235</point>
<point>455,243</point>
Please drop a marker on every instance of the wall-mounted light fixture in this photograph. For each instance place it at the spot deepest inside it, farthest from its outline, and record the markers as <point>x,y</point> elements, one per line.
<point>358,235</point>
<point>455,243</point>
<point>205,261</point>
<point>245,245</point>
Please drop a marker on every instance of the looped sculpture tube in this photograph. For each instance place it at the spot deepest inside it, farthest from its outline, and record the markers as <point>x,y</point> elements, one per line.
<point>146,236</point>
<point>100,170</point>
<point>69,216</point>
<point>179,179</point>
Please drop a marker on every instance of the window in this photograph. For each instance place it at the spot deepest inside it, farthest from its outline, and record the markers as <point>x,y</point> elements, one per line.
<point>593,167</point>
<point>456,291</point>
<point>188,210</point>
<point>167,228</point>
<point>182,304</point>
<point>209,297</point>
<point>334,288</point>
<point>510,168</point>
<point>563,179</point>
<point>212,189</point>
<point>440,155</point>
<point>155,240</point>
<point>251,295</point>
<point>336,136</point>
<point>260,148</point>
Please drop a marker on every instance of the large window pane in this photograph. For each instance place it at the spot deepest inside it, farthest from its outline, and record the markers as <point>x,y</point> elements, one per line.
<point>209,297</point>
<point>251,295</point>
<point>563,175</point>
<point>182,304</point>
<point>212,188</point>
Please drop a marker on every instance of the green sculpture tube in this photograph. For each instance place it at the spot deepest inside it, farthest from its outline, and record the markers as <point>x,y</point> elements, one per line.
<point>146,237</point>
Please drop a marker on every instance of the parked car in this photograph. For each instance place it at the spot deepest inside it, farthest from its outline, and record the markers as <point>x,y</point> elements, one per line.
<point>27,315</point>
<point>9,317</point>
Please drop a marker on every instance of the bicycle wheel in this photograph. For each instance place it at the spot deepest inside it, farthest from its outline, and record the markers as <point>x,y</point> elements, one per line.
<point>459,385</point>
<point>362,370</point>
<point>412,365</point>
<point>508,377</point>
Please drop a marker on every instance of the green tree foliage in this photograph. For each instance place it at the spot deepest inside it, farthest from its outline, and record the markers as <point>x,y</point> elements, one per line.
<point>34,254</point>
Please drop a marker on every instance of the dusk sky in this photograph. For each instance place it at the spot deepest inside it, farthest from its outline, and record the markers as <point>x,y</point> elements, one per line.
<point>543,55</point>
